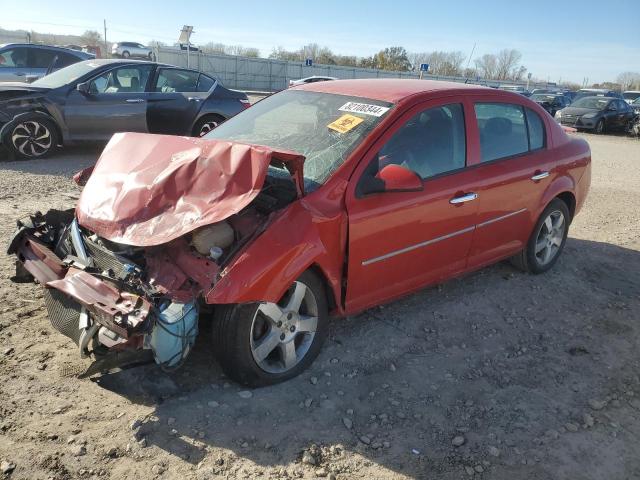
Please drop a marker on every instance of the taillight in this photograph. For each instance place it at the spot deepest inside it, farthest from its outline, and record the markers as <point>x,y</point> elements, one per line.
<point>245,102</point>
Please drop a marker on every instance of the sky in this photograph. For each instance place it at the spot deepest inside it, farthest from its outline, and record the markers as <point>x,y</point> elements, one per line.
<point>559,41</point>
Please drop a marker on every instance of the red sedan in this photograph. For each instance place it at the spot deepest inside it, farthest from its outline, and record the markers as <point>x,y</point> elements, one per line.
<point>325,199</point>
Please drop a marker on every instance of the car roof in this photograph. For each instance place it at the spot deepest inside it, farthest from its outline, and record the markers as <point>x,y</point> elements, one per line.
<point>387,89</point>
<point>48,47</point>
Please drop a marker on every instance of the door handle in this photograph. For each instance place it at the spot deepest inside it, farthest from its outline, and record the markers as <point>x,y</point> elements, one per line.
<point>467,197</point>
<point>134,100</point>
<point>194,99</point>
<point>20,74</point>
<point>540,176</point>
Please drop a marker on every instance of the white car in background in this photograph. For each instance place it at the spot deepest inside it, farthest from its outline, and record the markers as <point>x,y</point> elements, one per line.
<point>131,49</point>
<point>313,79</point>
<point>630,95</point>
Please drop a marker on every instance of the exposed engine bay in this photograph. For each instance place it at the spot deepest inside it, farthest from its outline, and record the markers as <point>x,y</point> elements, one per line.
<point>110,297</point>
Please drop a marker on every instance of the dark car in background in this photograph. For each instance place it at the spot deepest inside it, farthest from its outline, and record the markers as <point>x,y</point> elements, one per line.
<point>596,92</point>
<point>22,62</point>
<point>551,102</point>
<point>92,100</point>
<point>598,114</point>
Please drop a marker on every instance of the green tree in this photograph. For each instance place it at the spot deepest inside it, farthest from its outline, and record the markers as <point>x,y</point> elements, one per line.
<point>91,37</point>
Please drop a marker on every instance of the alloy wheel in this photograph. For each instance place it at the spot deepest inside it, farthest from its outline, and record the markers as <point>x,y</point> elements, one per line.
<point>207,127</point>
<point>282,333</point>
<point>31,138</point>
<point>550,237</point>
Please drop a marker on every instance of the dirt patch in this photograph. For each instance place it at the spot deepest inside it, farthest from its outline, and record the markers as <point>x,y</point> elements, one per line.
<point>496,375</point>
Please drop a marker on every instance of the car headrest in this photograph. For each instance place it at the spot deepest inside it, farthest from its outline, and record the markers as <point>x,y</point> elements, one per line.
<point>498,126</point>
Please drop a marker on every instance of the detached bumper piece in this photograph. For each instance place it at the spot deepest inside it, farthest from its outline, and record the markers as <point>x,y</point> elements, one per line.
<point>121,312</point>
<point>93,300</point>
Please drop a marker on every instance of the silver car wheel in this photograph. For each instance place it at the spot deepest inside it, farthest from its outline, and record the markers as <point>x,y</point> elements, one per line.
<point>550,237</point>
<point>281,334</point>
<point>207,127</point>
<point>31,138</point>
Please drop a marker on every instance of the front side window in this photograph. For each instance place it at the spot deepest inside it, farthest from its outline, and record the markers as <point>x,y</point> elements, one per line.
<point>431,143</point>
<point>14,58</point>
<point>323,127</point>
<point>503,130</point>
<point>121,80</point>
<point>171,80</point>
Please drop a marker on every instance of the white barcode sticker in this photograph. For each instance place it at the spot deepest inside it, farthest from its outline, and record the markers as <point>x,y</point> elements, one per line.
<point>364,108</point>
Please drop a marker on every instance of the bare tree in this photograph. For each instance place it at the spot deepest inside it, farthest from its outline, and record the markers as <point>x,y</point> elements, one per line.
<point>487,65</point>
<point>440,63</point>
<point>508,63</point>
<point>629,80</point>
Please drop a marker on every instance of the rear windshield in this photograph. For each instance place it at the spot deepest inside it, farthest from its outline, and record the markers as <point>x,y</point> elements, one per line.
<point>630,95</point>
<point>323,127</point>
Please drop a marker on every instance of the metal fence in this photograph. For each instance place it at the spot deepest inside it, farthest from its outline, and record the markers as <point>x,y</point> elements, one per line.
<point>263,74</point>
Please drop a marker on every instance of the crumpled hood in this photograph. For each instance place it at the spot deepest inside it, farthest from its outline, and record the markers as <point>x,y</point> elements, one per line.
<point>150,189</point>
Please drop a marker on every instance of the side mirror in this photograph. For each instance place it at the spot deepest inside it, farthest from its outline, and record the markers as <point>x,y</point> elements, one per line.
<point>83,88</point>
<point>399,179</point>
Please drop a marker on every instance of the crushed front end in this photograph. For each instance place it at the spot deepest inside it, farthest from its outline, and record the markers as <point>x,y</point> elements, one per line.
<point>104,296</point>
<point>127,271</point>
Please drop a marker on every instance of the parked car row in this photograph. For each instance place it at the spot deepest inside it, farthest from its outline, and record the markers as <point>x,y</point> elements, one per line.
<point>93,99</point>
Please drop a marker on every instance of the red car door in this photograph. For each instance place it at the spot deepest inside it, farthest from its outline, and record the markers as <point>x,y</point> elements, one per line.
<point>401,241</point>
<point>513,170</point>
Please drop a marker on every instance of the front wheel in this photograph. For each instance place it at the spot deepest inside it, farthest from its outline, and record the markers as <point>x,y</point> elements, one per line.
<point>125,54</point>
<point>32,137</point>
<point>599,126</point>
<point>547,240</point>
<point>261,344</point>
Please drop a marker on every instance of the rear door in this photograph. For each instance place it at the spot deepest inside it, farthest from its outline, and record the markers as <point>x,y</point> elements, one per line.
<point>513,171</point>
<point>401,241</point>
<point>14,64</point>
<point>176,97</point>
<point>116,102</point>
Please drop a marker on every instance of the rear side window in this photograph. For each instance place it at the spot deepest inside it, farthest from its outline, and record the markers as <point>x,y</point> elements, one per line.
<point>172,80</point>
<point>507,130</point>
<point>205,83</point>
<point>64,60</point>
<point>536,130</point>
<point>503,130</point>
<point>40,58</point>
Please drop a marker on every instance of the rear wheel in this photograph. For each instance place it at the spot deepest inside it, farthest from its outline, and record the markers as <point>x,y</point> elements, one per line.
<point>32,137</point>
<point>547,240</point>
<point>206,124</point>
<point>260,344</point>
<point>125,54</point>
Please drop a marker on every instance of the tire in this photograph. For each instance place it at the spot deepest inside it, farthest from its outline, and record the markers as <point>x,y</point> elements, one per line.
<point>32,137</point>
<point>150,56</point>
<point>533,258</point>
<point>126,54</point>
<point>599,128</point>
<point>206,124</point>
<point>251,346</point>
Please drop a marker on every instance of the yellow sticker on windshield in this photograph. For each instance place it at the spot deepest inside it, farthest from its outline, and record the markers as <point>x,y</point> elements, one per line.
<point>345,123</point>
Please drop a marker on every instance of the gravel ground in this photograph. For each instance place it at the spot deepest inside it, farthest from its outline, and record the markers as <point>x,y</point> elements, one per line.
<point>498,375</point>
